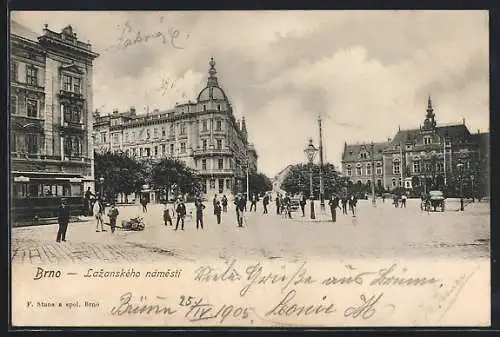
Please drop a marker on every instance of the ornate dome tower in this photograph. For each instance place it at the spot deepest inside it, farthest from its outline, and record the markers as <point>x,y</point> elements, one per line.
<point>212,91</point>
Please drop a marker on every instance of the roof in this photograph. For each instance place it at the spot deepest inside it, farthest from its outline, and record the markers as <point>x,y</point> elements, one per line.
<point>449,131</point>
<point>352,151</point>
<point>17,29</point>
<point>210,93</point>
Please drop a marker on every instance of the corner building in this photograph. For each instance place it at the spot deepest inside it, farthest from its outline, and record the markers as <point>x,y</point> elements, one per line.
<point>50,120</point>
<point>204,134</point>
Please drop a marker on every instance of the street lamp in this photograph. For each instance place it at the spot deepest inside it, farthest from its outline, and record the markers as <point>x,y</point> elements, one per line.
<point>101,180</point>
<point>310,152</point>
<point>460,167</point>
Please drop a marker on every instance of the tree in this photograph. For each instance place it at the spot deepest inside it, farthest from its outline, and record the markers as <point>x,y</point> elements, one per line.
<point>297,180</point>
<point>259,183</point>
<point>173,175</point>
<point>121,173</point>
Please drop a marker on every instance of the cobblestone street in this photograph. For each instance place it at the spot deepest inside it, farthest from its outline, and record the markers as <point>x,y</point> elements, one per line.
<point>377,232</point>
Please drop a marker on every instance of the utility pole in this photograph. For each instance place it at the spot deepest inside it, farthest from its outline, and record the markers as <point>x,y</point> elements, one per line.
<point>321,183</point>
<point>373,175</point>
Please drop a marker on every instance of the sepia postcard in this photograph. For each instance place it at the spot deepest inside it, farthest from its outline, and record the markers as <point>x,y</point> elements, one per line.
<point>249,168</point>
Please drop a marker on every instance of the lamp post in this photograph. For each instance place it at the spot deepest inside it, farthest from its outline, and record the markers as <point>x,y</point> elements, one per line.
<point>310,152</point>
<point>460,167</point>
<point>374,202</point>
<point>101,180</point>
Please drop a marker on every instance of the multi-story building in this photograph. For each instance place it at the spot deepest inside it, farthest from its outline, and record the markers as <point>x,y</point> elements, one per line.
<point>414,157</point>
<point>50,119</point>
<point>204,134</point>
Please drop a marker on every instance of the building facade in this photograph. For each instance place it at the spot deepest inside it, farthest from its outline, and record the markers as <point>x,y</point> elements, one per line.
<point>431,154</point>
<point>204,134</point>
<point>51,117</point>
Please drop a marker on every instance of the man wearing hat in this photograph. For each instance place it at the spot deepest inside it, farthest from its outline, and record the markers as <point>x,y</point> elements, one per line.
<point>63,220</point>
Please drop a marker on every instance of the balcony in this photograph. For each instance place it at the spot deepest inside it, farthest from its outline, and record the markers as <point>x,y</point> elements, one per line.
<point>211,152</point>
<point>23,123</point>
<point>70,95</point>
<point>225,171</point>
<point>72,126</point>
<point>77,159</point>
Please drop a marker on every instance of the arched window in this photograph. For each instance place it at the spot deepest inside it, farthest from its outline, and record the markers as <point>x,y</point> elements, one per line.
<point>396,166</point>
<point>393,182</point>
<point>349,170</point>
<point>368,169</point>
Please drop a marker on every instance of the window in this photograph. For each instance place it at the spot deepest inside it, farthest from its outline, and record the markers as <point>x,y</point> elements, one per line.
<point>393,182</point>
<point>204,144</point>
<point>31,75</point>
<point>228,184</point>
<point>163,132</point>
<point>396,167</point>
<point>172,131</point>
<point>416,167</point>
<point>126,137</point>
<point>76,115</point>
<point>368,169</point>
<point>448,143</point>
<point>133,135</point>
<point>183,129</point>
<point>76,147</point>
<point>204,125</point>
<point>399,182</point>
<point>32,107</point>
<point>140,152</point>
<point>148,152</point>
<point>77,88</point>
<point>13,105</point>
<point>349,171</point>
<point>218,107</point>
<point>171,149</point>
<point>156,151</point>
<point>115,138</point>
<point>363,155</point>
<point>204,107</point>
<point>427,140</point>
<point>219,144</point>
<point>67,81</point>
<point>358,171</point>
<point>220,164</point>
<point>379,171</point>
<point>13,71</point>
<point>440,167</point>
<point>148,134</point>
<point>155,133</point>
<point>163,149</point>
<point>103,137</point>
<point>203,164</point>
<point>183,147</point>
<point>212,183</point>
<point>218,125</point>
<point>32,143</point>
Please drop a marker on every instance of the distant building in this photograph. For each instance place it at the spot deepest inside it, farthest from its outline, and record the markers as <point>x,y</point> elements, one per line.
<point>204,134</point>
<point>50,119</point>
<point>412,157</point>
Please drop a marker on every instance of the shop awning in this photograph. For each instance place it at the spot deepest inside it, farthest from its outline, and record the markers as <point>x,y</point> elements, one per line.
<point>36,176</point>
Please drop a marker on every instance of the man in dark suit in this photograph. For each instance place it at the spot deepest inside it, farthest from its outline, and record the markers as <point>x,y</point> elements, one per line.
<point>63,220</point>
<point>181,214</point>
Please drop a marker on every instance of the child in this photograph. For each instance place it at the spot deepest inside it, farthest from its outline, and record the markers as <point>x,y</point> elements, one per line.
<point>113,214</point>
<point>167,218</point>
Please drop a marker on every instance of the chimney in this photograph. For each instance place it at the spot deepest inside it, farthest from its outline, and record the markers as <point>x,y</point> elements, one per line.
<point>132,110</point>
<point>238,123</point>
<point>115,111</point>
<point>478,131</point>
<point>463,121</point>
<point>389,140</point>
<point>156,110</point>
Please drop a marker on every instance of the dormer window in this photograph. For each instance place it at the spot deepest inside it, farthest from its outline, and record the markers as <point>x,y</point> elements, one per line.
<point>427,140</point>
<point>204,107</point>
<point>363,155</point>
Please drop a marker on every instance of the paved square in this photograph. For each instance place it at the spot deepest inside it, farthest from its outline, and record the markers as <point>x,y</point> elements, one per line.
<point>376,232</point>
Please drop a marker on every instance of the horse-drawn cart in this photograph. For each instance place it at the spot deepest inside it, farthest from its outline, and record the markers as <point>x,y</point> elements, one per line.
<point>434,200</point>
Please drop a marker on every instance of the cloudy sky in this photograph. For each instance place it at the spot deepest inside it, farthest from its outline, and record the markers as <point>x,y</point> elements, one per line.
<point>365,72</point>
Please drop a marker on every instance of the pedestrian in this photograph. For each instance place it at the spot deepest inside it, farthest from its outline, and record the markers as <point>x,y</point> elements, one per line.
<point>287,202</point>
<point>403,201</point>
<point>218,210</point>
<point>144,203</point>
<point>236,203</point>
<point>383,197</point>
<point>352,204</point>
<point>334,203</point>
<point>87,202</point>
<point>199,213</point>
<point>99,213</point>
<point>181,214</point>
<point>214,202</point>
<point>265,202</point>
<point>395,200</point>
<point>112,215</point>
<point>278,204</point>
<point>344,204</point>
<point>303,201</point>
<point>224,203</point>
<point>245,198</point>
<point>253,202</point>
<point>167,218</point>
<point>62,220</point>
<point>242,204</point>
